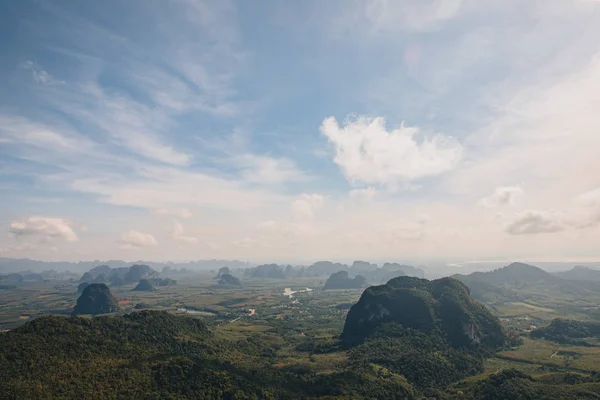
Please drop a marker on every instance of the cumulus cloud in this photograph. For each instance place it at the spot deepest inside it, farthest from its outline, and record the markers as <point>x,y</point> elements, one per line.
<point>502,196</point>
<point>44,227</point>
<point>178,233</point>
<point>368,153</point>
<point>134,239</point>
<point>533,222</point>
<point>305,207</point>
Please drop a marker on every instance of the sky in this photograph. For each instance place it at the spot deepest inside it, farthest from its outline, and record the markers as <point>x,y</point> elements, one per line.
<point>437,131</point>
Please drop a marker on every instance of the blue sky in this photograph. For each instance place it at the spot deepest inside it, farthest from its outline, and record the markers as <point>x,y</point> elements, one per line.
<point>431,131</point>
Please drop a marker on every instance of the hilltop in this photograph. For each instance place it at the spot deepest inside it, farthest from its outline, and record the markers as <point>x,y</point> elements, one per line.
<point>144,286</point>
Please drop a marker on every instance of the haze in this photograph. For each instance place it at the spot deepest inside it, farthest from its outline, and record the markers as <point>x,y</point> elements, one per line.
<point>432,131</point>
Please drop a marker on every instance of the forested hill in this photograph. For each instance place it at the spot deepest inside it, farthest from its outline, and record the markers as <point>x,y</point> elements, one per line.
<point>153,354</point>
<point>442,305</point>
<point>430,332</point>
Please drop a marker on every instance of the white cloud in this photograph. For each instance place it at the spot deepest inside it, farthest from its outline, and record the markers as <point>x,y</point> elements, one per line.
<point>502,196</point>
<point>305,207</point>
<point>45,227</point>
<point>17,130</point>
<point>589,199</point>
<point>268,170</point>
<point>39,75</point>
<point>245,243</point>
<point>173,212</point>
<point>533,222</point>
<point>385,16</point>
<point>178,233</point>
<point>366,193</point>
<point>589,210</point>
<point>134,239</point>
<point>367,153</point>
<point>269,225</point>
<point>171,188</point>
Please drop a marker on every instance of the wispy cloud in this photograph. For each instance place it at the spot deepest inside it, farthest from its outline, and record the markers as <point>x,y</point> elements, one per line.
<point>178,233</point>
<point>502,196</point>
<point>40,75</point>
<point>133,240</point>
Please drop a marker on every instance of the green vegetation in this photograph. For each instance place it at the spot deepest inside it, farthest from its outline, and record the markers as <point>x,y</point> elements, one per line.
<point>567,331</point>
<point>514,384</point>
<point>253,341</point>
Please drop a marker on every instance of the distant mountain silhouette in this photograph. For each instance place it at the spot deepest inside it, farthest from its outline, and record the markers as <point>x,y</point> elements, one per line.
<point>519,281</point>
<point>580,273</point>
<point>340,280</point>
<point>266,271</point>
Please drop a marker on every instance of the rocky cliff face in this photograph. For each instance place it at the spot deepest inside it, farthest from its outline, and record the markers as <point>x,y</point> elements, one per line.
<point>96,299</point>
<point>443,306</point>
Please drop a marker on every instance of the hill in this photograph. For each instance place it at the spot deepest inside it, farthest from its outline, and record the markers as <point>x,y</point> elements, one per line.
<point>119,276</point>
<point>579,273</point>
<point>82,287</point>
<point>227,279</point>
<point>223,270</point>
<point>566,331</point>
<point>144,286</point>
<point>444,304</point>
<point>266,271</point>
<point>518,281</point>
<point>340,280</point>
<point>431,332</point>
<point>156,355</point>
<point>514,384</point>
<point>96,299</point>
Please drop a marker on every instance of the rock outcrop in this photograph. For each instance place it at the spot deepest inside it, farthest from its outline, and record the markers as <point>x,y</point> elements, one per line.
<point>144,286</point>
<point>96,299</point>
<point>442,305</point>
<point>82,287</point>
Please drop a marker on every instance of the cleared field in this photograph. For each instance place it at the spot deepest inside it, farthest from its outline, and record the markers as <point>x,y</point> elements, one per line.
<point>552,354</point>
